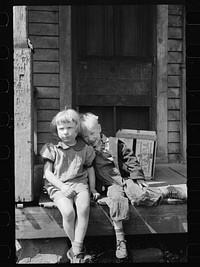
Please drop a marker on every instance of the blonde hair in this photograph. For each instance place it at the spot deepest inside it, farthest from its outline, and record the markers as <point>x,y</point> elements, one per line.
<point>89,121</point>
<point>65,116</point>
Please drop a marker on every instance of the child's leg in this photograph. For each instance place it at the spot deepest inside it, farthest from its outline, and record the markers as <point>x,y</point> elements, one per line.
<point>65,205</point>
<point>82,202</point>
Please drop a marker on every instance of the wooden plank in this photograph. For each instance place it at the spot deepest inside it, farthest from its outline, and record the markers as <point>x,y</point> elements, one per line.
<point>48,103</point>
<point>111,100</point>
<point>46,138</point>
<point>45,67</point>
<point>43,16</point>
<point>23,108</point>
<point>43,29</point>
<point>173,137</point>
<point>164,218</point>
<point>173,69</point>
<point>175,9</point>
<point>46,79</point>
<point>101,86</point>
<point>65,57</point>
<point>175,45</point>
<point>173,126</point>
<point>173,115</point>
<point>175,57</point>
<point>47,92</point>
<point>175,32</point>
<point>162,52</point>
<point>42,8</point>
<point>175,20</point>
<point>168,174</point>
<point>45,54</point>
<point>173,81</point>
<point>46,115</point>
<point>32,222</point>
<point>43,127</point>
<point>173,147</point>
<point>174,158</point>
<point>173,103</point>
<point>45,41</point>
<point>174,92</point>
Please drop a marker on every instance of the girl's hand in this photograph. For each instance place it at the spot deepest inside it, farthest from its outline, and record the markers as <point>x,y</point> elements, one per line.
<point>68,192</point>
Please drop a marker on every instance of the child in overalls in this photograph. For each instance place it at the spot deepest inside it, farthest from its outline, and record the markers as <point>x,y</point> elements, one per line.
<point>118,169</point>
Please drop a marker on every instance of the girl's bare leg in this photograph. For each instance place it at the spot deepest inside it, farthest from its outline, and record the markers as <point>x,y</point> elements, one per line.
<point>65,205</point>
<point>82,202</point>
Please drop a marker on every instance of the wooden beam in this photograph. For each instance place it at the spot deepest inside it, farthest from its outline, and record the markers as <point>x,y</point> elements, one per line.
<point>162,50</point>
<point>23,107</point>
<point>65,52</point>
<point>183,129</point>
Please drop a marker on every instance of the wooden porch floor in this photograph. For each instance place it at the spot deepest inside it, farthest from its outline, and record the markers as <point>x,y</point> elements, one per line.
<point>45,221</point>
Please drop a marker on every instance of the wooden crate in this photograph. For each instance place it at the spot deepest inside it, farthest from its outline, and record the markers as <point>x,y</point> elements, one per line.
<point>143,143</point>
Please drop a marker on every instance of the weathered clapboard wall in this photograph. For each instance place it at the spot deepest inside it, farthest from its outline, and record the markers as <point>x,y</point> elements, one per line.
<point>44,35</point>
<point>175,61</point>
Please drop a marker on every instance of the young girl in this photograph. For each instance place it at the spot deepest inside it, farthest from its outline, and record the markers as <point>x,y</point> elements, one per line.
<point>67,167</point>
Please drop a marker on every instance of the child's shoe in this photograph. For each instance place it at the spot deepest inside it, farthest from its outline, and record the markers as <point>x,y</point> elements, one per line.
<point>121,250</point>
<point>176,193</point>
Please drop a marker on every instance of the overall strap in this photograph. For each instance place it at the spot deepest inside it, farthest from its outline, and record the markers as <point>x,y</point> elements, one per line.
<point>113,145</point>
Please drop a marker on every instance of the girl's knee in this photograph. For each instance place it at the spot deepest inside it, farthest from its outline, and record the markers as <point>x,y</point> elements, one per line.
<point>68,215</point>
<point>83,208</point>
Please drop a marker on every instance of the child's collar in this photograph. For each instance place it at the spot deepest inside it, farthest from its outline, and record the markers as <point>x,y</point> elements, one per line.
<point>77,147</point>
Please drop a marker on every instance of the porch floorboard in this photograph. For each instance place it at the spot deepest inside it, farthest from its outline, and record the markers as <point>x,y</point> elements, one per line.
<point>45,221</point>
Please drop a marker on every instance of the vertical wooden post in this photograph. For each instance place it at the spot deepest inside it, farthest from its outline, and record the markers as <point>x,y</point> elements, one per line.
<point>162,59</point>
<point>183,129</point>
<point>65,52</point>
<point>23,107</point>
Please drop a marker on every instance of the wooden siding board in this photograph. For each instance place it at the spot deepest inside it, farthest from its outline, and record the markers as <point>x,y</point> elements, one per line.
<point>47,92</point>
<point>174,158</point>
<point>45,79</point>
<point>174,81</point>
<point>44,42</point>
<point>44,8</point>
<point>174,92</point>
<point>173,126</point>
<point>43,29</point>
<point>43,127</point>
<point>175,20</point>
<point>43,17</point>
<point>175,9</point>
<point>45,67</point>
<point>175,57</point>
<point>173,115</point>
<point>113,100</point>
<point>46,54</point>
<point>174,103</point>
<point>175,45</point>
<point>48,103</point>
<point>173,69</point>
<point>44,138</point>
<point>175,33</point>
<point>174,148</point>
<point>46,115</point>
<point>173,137</point>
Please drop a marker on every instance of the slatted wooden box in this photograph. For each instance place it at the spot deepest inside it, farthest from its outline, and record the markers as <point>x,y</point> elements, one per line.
<point>144,144</point>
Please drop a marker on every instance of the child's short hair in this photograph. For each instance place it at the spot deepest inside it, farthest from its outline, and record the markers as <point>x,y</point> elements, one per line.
<point>88,120</point>
<point>65,116</point>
